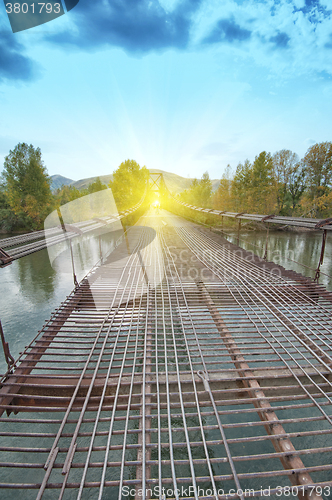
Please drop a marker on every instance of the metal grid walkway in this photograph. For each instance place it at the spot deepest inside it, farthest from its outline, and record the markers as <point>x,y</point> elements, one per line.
<point>183,370</point>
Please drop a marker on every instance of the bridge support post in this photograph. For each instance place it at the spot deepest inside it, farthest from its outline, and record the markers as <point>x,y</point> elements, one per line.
<point>238,232</point>
<point>321,258</point>
<point>266,242</point>
<point>9,358</point>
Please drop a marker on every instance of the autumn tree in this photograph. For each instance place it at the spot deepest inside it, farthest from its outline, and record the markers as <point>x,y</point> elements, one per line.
<point>285,173</point>
<point>318,162</point>
<point>241,187</point>
<point>96,186</point>
<point>8,220</point>
<point>68,193</point>
<point>252,186</point>
<point>263,194</point>
<point>27,184</point>
<point>199,192</point>
<point>129,184</point>
<point>222,199</point>
<point>297,183</point>
<point>203,191</point>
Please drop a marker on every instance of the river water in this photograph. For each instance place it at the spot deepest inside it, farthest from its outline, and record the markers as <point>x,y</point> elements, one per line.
<point>295,251</point>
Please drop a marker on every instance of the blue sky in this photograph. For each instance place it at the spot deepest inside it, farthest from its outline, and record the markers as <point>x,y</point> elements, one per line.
<point>179,85</point>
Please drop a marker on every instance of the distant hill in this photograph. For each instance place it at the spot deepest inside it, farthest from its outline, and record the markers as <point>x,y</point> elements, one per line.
<point>58,180</point>
<point>175,183</point>
<point>83,183</point>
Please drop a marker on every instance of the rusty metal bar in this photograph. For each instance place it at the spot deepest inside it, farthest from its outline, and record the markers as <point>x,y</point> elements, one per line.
<point>5,258</point>
<point>321,258</point>
<point>217,375</point>
<point>9,358</point>
<point>35,241</point>
<point>266,242</point>
<point>282,444</point>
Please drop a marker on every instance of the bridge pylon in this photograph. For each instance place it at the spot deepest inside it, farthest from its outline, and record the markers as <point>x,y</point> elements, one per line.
<point>156,181</point>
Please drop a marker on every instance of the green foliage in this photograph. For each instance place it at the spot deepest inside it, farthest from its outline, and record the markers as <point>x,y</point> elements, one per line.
<point>69,193</point>
<point>297,184</point>
<point>96,186</point>
<point>199,192</point>
<point>240,190</point>
<point>3,196</point>
<point>262,192</point>
<point>129,184</point>
<point>318,162</point>
<point>27,185</point>
<point>252,186</point>
<point>289,179</point>
<point>9,221</point>
<point>281,184</point>
<point>223,196</point>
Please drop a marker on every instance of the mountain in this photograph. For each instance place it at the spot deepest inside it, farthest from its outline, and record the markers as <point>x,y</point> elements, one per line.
<point>175,183</point>
<point>83,183</point>
<point>58,180</point>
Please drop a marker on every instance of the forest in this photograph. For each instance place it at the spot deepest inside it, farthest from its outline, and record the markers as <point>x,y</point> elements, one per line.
<point>25,189</point>
<point>278,183</point>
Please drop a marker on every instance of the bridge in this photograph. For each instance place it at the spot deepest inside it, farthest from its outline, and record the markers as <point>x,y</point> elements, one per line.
<point>181,367</point>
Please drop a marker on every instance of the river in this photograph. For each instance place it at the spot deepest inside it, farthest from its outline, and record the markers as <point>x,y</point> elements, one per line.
<point>297,251</point>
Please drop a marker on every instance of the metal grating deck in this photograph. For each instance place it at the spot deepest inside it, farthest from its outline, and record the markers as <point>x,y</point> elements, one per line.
<point>183,370</point>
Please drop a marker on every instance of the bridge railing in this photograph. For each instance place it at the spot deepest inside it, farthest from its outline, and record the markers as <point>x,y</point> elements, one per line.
<point>323,225</point>
<point>15,247</point>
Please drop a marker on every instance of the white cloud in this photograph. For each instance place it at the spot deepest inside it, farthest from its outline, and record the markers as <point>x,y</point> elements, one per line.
<point>169,5</point>
<point>283,38</point>
<point>299,4</point>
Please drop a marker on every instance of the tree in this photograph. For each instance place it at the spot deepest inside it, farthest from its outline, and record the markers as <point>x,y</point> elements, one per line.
<point>318,162</point>
<point>202,191</point>
<point>222,198</point>
<point>27,183</point>
<point>3,196</point>
<point>252,186</point>
<point>129,184</point>
<point>241,187</point>
<point>8,220</point>
<point>96,186</point>
<point>297,183</point>
<point>262,193</point>
<point>286,168</point>
<point>199,192</point>
<point>68,193</point>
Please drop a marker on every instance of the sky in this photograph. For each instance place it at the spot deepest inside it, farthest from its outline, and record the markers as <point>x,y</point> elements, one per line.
<point>185,86</point>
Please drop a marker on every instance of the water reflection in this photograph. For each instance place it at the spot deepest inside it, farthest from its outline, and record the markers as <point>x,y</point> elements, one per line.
<point>286,247</point>
<point>36,278</point>
<point>30,291</point>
